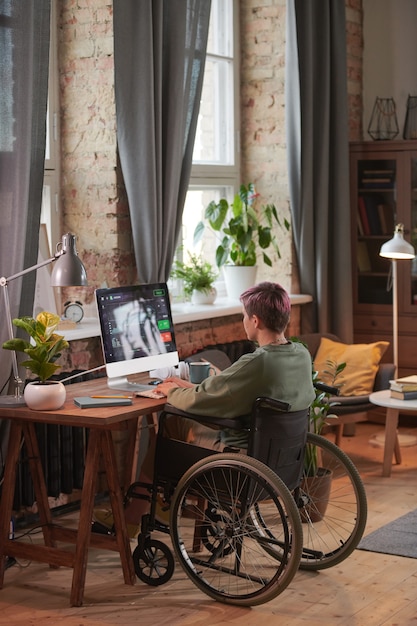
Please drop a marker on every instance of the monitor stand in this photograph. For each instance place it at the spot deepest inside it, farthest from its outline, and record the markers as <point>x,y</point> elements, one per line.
<point>123,384</point>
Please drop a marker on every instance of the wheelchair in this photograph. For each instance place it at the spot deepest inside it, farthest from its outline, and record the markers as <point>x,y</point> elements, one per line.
<point>242,525</point>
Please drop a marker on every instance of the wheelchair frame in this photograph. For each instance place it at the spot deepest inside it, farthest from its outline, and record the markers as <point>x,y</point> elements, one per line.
<point>241,526</point>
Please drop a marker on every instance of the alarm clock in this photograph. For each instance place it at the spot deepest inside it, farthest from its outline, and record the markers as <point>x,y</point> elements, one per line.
<point>73,311</point>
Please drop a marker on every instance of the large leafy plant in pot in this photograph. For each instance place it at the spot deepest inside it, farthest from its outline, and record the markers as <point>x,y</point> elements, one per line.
<point>244,234</point>
<point>42,349</point>
<point>242,230</point>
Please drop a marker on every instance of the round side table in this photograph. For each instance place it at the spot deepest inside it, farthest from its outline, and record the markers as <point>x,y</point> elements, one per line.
<point>394,408</point>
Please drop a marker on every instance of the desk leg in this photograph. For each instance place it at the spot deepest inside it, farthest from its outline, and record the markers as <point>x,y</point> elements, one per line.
<point>38,478</point>
<point>116,501</point>
<point>9,483</point>
<point>86,515</point>
<point>391,441</point>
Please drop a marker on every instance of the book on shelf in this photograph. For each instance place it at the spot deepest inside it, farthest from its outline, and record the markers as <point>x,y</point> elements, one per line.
<point>363,216</point>
<point>364,262</point>
<point>371,208</point>
<point>360,227</point>
<point>403,395</point>
<point>407,383</point>
<point>374,172</point>
<point>386,218</point>
<point>377,179</point>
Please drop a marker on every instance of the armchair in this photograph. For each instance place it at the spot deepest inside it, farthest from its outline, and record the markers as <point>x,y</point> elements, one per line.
<point>350,408</point>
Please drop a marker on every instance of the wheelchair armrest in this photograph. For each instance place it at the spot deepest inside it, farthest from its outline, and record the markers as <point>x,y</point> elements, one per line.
<point>234,423</point>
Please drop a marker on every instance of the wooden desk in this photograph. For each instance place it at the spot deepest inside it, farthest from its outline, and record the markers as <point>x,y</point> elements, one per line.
<point>394,408</point>
<point>101,422</point>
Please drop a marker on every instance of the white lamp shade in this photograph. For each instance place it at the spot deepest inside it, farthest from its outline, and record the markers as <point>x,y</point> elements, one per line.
<point>68,269</point>
<point>397,247</point>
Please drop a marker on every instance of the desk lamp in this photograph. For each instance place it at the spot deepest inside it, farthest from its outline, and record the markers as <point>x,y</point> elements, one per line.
<point>396,249</point>
<point>68,271</point>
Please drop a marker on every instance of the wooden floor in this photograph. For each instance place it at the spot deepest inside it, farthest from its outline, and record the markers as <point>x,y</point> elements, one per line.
<point>367,589</point>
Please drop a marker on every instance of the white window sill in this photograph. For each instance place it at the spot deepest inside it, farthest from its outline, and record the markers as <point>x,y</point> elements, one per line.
<point>181,312</point>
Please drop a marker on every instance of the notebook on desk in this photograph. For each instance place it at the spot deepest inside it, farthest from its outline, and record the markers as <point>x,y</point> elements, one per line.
<point>137,333</point>
<point>87,402</point>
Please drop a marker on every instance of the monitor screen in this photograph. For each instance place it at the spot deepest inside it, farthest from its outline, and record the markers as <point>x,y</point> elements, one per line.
<point>137,331</point>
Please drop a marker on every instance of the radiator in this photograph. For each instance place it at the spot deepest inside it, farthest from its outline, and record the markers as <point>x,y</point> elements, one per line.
<point>62,450</point>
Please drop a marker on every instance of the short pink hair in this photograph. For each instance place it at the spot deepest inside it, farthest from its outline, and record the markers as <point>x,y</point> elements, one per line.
<point>270,302</point>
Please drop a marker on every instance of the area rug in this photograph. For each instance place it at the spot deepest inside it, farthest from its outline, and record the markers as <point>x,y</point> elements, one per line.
<point>398,537</point>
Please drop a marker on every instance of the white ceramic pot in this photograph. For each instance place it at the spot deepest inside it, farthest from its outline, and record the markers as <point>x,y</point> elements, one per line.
<point>238,278</point>
<point>204,297</point>
<point>47,396</point>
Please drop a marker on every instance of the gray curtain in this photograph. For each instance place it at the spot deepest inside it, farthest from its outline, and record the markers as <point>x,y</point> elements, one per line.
<point>318,160</point>
<point>24,55</point>
<point>159,53</point>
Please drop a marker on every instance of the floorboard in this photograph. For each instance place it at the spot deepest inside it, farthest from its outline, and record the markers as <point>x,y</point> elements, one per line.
<point>367,589</point>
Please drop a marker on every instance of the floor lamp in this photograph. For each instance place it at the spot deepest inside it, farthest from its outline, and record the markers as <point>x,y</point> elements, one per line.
<point>68,271</point>
<point>396,249</point>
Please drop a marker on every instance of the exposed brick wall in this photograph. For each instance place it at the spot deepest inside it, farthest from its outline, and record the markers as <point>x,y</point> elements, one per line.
<point>93,198</point>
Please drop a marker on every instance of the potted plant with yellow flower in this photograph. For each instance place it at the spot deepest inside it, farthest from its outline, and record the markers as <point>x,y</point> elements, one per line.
<point>43,349</point>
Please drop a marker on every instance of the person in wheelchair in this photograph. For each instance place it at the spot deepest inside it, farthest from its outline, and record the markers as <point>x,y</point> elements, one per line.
<point>278,368</point>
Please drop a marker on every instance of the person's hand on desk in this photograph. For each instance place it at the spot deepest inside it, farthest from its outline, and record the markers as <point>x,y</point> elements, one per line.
<point>171,383</point>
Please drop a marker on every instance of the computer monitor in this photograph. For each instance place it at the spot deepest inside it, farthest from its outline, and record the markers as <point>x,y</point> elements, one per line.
<point>137,332</point>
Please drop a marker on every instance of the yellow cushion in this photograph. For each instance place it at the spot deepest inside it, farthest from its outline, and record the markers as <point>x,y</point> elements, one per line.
<point>362,361</point>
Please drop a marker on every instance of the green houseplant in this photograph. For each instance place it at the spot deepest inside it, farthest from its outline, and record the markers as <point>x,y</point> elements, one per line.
<point>197,276</point>
<point>320,411</point>
<point>242,230</point>
<point>42,352</point>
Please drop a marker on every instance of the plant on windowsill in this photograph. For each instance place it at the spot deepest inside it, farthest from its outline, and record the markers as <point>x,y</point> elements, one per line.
<point>44,349</point>
<point>198,277</point>
<point>243,231</point>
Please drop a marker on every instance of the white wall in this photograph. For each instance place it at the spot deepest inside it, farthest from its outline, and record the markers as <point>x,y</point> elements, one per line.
<point>390,56</point>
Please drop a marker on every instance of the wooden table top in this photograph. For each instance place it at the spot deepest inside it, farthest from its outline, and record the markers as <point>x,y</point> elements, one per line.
<point>71,415</point>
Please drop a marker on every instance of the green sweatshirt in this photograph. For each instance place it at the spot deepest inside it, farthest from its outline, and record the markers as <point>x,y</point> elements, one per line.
<point>282,372</point>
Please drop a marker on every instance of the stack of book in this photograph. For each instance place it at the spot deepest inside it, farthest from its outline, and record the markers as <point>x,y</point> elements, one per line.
<point>404,388</point>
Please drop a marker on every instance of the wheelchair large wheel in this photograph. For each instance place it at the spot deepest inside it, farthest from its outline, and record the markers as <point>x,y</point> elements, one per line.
<point>333,520</point>
<point>221,492</point>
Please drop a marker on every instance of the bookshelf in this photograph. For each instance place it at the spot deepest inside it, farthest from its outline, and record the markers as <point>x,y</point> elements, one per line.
<point>383,189</point>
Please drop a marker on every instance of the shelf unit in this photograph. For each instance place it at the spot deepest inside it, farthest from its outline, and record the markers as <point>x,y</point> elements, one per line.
<point>383,189</point>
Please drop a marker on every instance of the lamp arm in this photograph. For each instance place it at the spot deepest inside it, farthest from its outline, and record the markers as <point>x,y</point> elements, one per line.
<point>4,280</point>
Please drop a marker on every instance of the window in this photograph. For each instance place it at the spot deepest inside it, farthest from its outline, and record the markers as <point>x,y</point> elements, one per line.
<point>50,214</point>
<point>215,171</point>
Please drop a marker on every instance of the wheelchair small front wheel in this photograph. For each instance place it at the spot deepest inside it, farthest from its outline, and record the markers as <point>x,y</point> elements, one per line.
<point>153,562</point>
<point>234,563</point>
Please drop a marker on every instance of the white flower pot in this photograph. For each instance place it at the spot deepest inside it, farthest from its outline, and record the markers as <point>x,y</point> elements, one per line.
<point>47,396</point>
<point>238,278</point>
<point>204,297</point>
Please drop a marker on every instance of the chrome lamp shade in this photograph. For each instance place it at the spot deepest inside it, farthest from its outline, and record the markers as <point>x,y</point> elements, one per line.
<point>68,270</point>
